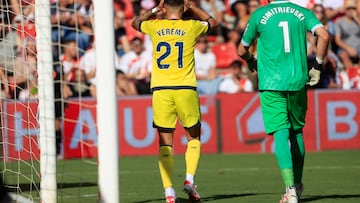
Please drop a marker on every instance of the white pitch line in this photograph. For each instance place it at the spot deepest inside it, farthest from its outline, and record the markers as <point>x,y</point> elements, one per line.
<point>250,169</point>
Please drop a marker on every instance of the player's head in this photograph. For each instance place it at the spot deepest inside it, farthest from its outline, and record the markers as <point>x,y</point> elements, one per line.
<point>174,8</point>
<point>174,3</point>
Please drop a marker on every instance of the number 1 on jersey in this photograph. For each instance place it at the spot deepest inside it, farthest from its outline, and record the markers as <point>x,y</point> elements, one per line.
<point>285,28</point>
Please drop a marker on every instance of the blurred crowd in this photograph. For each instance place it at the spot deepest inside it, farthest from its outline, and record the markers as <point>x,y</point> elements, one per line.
<point>217,64</point>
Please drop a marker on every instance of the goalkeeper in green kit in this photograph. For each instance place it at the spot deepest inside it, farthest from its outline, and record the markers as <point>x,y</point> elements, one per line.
<point>280,29</point>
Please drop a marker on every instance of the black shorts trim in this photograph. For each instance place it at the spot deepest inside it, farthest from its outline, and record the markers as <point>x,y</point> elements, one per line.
<point>173,88</point>
<point>196,125</point>
<point>162,129</point>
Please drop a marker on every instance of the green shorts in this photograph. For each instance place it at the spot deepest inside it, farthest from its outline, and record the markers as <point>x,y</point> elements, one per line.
<point>283,109</point>
<point>168,105</point>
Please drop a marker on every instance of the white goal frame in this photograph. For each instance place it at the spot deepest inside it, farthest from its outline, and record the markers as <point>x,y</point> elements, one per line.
<point>107,119</point>
<point>106,109</point>
<point>48,184</point>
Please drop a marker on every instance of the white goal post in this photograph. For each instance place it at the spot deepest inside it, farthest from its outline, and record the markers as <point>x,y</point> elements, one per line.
<point>33,168</point>
<point>107,120</point>
<point>46,102</point>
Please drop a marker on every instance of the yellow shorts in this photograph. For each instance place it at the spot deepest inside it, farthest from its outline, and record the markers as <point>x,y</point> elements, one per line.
<point>168,105</point>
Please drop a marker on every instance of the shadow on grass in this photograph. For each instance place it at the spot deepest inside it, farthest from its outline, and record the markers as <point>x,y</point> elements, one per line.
<point>30,187</point>
<point>225,196</point>
<point>321,197</point>
<point>204,199</point>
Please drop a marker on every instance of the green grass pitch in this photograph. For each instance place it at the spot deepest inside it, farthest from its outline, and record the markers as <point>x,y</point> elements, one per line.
<point>329,177</point>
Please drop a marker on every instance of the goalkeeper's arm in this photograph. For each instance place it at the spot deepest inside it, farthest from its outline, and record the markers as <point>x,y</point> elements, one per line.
<point>321,49</point>
<point>248,57</point>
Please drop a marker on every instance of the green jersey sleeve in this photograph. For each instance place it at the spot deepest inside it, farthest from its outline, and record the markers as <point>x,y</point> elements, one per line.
<point>250,32</point>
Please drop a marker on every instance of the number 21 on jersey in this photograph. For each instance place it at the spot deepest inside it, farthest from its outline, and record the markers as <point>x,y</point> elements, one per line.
<point>169,51</point>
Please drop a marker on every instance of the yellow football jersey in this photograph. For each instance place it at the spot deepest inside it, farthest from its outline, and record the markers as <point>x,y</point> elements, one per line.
<point>173,44</point>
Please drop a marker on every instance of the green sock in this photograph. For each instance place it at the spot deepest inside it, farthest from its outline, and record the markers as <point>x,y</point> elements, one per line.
<point>298,155</point>
<point>283,156</point>
<point>288,177</point>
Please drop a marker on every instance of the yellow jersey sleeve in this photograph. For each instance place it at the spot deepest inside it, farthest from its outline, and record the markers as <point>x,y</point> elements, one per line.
<point>173,44</point>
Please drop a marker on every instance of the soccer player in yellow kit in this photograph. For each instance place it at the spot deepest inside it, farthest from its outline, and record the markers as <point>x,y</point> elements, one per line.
<point>173,85</point>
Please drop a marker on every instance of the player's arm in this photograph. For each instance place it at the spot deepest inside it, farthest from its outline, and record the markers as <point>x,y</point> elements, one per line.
<point>322,42</point>
<point>244,53</point>
<point>321,50</point>
<point>247,40</point>
<point>204,16</point>
<point>146,16</point>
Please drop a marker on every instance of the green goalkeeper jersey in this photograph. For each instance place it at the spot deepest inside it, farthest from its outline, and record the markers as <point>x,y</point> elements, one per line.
<point>281,29</point>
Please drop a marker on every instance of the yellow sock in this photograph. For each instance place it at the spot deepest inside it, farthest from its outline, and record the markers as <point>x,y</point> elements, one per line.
<point>166,165</point>
<point>192,156</point>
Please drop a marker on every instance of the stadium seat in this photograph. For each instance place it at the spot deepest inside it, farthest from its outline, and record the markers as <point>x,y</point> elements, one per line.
<point>130,31</point>
<point>225,53</point>
<point>352,72</point>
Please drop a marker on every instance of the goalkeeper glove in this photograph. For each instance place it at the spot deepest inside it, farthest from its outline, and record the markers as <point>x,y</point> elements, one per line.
<point>314,73</point>
<point>252,63</point>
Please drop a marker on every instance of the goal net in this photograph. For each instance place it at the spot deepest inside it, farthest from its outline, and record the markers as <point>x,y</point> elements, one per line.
<point>48,127</point>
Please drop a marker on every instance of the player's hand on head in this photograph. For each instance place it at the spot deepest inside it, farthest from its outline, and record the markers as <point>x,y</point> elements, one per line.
<point>188,4</point>
<point>161,4</point>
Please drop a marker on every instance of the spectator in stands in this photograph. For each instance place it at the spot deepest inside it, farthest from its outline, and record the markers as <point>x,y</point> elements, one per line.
<point>319,12</point>
<point>216,9</point>
<point>236,81</point>
<point>30,90</point>
<point>79,84</point>
<point>69,58</point>
<point>24,10</point>
<point>136,65</point>
<point>122,44</point>
<point>233,37</point>
<point>24,66</point>
<point>4,85</point>
<point>241,10</point>
<point>65,24</point>
<point>355,81</point>
<point>347,35</point>
<point>7,38</point>
<point>329,76</point>
<point>22,23</point>
<point>88,64</point>
<point>124,86</point>
<point>253,5</point>
<point>332,76</point>
<point>333,8</point>
<point>226,52</point>
<point>205,68</point>
<point>85,16</point>
<point>309,4</point>
<point>126,6</point>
